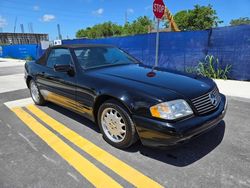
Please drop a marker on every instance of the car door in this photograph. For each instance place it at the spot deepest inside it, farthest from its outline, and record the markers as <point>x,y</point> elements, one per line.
<point>58,87</point>
<point>86,86</point>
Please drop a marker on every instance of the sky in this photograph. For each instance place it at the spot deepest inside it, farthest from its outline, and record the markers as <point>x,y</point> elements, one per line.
<point>72,15</point>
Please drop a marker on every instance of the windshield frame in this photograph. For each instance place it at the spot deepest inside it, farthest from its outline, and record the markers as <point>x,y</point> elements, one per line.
<point>134,60</point>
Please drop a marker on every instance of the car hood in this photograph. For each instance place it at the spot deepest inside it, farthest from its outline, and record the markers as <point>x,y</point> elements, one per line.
<point>187,85</point>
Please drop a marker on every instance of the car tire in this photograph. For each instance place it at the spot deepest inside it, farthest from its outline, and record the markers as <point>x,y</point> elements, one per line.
<point>113,117</point>
<point>35,93</point>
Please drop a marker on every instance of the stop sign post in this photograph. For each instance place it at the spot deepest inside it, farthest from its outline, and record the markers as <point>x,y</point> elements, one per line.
<point>159,10</point>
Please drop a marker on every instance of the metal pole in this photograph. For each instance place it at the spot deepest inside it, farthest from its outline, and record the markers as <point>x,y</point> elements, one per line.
<point>157,43</point>
<point>15,25</point>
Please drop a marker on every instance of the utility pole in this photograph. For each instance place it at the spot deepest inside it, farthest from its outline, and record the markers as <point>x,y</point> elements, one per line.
<point>22,28</point>
<point>59,32</point>
<point>30,26</point>
<point>15,25</point>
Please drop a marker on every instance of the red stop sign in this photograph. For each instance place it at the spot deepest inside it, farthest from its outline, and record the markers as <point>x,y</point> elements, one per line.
<point>158,8</point>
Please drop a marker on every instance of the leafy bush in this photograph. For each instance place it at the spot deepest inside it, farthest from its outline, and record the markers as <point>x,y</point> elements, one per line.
<point>210,67</point>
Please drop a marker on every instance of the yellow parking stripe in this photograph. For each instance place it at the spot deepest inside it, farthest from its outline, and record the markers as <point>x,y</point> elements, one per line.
<point>93,174</point>
<point>127,172</point>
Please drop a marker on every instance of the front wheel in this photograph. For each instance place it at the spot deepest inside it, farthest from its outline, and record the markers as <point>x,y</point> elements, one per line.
<point>116,125</point>
<point>35,94</point>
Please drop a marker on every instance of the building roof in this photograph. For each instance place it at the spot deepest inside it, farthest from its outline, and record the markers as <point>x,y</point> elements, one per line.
<point>11,33</point>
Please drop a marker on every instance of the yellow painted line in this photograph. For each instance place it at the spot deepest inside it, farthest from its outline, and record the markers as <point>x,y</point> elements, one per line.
<point>93,174</point>
<point>127,172</point>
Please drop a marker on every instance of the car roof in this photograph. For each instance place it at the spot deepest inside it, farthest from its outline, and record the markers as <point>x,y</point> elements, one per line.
<point>81,45</point>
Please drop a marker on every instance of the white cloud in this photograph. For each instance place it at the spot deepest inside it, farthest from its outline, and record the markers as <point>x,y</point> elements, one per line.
<point>36,8</point>
<point>3,22</point>
<point>48,17</point>
<point>130,11</point>
<point>99,11</point>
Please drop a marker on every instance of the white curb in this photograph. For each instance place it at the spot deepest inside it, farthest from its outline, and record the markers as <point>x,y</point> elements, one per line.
<point>234,88</point>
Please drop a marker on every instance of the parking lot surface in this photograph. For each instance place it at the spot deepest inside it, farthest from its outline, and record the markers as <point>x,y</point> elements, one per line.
<point>48,146</point>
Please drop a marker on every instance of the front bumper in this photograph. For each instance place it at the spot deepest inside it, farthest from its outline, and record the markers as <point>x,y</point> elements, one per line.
<point>156,133</point>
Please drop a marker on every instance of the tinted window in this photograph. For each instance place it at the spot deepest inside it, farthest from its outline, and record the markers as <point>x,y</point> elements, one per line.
<point>90,57</point>
<point>59,56</point>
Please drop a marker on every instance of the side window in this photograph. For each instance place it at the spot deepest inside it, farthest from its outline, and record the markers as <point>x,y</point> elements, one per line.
<point>82,56</point>
<point>91,57</point>
<point>59,57</point>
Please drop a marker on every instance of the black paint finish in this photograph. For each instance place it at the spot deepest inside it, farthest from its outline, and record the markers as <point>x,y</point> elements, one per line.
<point>83,90</point>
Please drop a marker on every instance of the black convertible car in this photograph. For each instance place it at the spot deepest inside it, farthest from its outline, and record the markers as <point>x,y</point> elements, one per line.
<point>128,100</point>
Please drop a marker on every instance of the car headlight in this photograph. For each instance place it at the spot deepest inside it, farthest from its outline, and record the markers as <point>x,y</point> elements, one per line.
<point>171,110</point>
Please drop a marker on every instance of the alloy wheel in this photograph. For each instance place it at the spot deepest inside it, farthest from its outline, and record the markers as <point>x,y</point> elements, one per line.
<point>34,92</point>
<point>113,125</point>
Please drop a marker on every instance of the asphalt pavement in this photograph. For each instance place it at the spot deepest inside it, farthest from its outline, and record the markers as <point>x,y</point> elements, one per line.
<point>49,146</point>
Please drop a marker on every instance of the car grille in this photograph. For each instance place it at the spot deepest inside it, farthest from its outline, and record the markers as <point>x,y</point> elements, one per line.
<point>208,102</point>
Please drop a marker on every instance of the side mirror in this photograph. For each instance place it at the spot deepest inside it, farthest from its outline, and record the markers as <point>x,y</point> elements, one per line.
<point>64,68</point>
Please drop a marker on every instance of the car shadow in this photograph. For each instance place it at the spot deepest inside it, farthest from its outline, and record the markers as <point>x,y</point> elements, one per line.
<point>188,153</point>
<point>74,116</point>
<point>181,155</point>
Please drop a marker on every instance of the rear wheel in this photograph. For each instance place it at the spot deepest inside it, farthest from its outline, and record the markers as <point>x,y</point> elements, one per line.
<point>35,93</point>
<point>116,125</point>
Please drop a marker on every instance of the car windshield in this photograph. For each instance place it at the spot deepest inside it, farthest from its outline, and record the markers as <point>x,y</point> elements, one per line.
<point>92,57</point>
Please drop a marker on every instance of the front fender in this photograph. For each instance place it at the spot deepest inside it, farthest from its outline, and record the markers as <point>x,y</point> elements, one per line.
<point>137,102</point>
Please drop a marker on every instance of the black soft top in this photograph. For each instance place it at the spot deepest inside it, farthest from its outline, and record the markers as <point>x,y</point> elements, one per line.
<point>80,45</point>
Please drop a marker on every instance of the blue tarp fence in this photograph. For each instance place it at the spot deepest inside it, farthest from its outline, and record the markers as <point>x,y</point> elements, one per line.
<point>178,50</point>
<point>21,51</point>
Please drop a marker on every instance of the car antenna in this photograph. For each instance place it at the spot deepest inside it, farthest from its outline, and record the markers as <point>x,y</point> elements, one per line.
<point>152,73</point>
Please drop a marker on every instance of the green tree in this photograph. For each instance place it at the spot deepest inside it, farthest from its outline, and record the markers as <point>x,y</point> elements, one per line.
<point>108,29</point>
<point>240,21</point>
<point>105,29</point>
<point>139,26</point>
<point>83,32</point>
<point>199,18</point>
